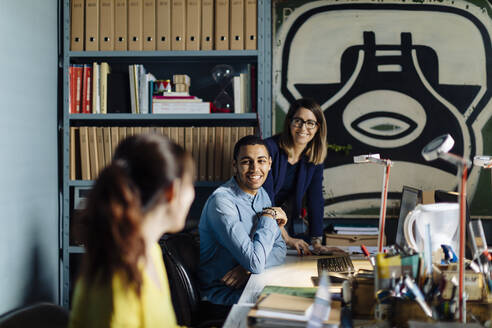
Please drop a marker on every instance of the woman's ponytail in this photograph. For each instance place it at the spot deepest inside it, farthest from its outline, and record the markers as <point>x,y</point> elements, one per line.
<point>113,219</point>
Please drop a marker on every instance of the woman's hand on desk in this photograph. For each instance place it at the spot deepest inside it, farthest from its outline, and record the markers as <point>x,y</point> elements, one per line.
<point>319,249</point>
<point>236,278</point>
<point>300,245</point>
<point>323,250</point>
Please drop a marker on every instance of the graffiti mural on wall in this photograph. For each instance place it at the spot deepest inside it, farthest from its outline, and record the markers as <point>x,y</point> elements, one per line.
<point>390,76</point>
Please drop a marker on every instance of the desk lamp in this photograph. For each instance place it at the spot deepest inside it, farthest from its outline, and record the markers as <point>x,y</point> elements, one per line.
<point>439,148</point>
<point>483,161</point>
<point>477,228</point>
<point>375,158</point>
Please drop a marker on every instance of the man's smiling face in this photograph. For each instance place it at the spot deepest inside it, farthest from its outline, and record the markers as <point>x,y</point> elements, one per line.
<point>251,167</point>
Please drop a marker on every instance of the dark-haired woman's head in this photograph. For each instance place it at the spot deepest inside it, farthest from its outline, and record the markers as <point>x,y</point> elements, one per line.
<point>146,191</point>
<point>305,126</point>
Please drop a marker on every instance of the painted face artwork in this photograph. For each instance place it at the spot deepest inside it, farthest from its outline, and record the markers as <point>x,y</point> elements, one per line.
<point>390,77</point>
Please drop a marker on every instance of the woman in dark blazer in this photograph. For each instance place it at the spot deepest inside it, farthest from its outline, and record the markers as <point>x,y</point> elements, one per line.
<point>298,153</point>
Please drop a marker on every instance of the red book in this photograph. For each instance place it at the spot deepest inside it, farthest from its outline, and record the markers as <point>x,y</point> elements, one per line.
<point>86,90</point>
<point>71,102</point>
<point>77,69</point>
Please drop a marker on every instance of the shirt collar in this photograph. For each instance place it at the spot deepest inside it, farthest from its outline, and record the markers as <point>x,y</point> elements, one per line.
<point>239,192</point>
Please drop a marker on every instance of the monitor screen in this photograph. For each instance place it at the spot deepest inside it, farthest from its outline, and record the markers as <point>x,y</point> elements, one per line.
<point>410,197</point>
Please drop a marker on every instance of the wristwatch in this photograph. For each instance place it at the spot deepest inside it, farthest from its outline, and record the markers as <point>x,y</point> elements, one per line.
<point>270,211</point>
<point>316,240</point>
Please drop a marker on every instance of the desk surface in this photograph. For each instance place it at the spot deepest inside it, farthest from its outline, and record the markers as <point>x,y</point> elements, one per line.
<point>295,272</point>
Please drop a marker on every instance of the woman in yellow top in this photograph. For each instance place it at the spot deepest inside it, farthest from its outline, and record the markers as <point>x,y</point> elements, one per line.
<point>145,192</point>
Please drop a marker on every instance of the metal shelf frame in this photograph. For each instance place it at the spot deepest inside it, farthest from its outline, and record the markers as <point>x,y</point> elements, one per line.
<point>169,55</point>
<point>262,57</point>
<point>89,183</point>
<point>162,117</point>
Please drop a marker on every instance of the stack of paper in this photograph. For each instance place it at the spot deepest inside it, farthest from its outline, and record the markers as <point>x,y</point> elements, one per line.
<point>355,230</point>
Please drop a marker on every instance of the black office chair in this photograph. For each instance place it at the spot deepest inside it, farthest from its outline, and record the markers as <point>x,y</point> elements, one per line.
<point>40,315</point>
<point>181,254</point>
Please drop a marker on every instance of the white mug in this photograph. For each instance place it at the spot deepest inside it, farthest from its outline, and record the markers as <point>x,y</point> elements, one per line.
<point>443,219</point>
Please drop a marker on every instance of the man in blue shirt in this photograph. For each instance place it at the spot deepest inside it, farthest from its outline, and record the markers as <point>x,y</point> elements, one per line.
<point>239,231</point>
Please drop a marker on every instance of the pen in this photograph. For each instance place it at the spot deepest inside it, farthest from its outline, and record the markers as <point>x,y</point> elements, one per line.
<point>418,296</point>
<point>368,255</point>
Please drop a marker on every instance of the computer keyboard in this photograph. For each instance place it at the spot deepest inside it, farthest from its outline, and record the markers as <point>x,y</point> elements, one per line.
<point>335,263</point>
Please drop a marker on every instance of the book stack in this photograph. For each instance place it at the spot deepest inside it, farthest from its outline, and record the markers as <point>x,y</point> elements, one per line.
<point>88,88</point>
<point>243,87</point>
<point>282,310</point>
<point>140,88</point>
<point>97,89</point>
<point>355,230</point>
<point>179,101</point>
<point>107,25</point>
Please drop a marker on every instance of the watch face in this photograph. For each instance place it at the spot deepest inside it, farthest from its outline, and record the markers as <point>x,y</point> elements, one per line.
<point>390,77</point>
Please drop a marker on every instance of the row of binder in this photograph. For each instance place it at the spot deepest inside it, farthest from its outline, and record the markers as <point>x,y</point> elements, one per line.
<point>91,147</point>
<point>120,25</point>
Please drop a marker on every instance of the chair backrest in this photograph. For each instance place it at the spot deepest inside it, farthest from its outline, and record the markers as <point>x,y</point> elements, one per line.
<point>181,254</point>
<point>40,315</point>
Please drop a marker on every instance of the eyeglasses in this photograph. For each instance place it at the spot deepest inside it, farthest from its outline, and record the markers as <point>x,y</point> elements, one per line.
<point>299,122</point>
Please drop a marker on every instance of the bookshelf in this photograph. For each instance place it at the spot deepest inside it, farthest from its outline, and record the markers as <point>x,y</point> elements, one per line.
<point>158,62</point>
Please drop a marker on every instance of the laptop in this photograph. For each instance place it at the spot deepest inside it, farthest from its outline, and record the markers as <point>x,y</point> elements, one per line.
<point>410,197</point>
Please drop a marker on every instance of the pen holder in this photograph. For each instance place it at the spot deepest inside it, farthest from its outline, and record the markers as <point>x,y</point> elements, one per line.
<point>405,310</point>
<point>362,297</point>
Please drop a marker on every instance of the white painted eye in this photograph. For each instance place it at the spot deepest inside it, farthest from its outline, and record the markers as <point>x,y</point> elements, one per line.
<point>384,118</point>
<point>383,125</point>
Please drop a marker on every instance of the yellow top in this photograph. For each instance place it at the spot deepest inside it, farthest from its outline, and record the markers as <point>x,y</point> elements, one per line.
<point>119,306</point>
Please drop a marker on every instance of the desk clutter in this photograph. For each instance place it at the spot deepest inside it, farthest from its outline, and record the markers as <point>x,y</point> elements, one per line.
<point>289,307</point>
<point>409,285</point>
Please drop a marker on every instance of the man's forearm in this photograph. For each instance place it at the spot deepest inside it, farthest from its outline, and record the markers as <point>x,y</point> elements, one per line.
<point>277,255</point>
<point>285,234</point>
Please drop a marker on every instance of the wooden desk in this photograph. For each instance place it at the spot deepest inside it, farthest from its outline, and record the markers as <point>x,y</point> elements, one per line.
<point>295,272</point>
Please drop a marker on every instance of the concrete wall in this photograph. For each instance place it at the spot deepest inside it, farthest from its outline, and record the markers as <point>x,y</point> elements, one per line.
<point>28,153</point>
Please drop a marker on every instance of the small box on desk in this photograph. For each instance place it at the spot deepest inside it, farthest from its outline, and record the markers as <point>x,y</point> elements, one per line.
<point>404,310</point>
<point>474,285</point>
<point>363,298</point>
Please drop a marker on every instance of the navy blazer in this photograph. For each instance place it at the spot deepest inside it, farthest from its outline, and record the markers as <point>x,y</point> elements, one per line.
<point>309,183</point>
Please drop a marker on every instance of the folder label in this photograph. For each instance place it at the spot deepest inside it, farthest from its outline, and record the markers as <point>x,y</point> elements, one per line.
<point>178,25</point>
<point>92,25</point>
<point>120,25</point>
<point>222,25</point>
<point>77,25</point>
<point>149,25</point>
<point>207,31</point>
<point>163,13</point>
<point>135,25</point>
<point>193,24</point>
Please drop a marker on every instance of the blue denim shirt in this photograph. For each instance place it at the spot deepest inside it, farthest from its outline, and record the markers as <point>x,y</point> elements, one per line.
<point>232,232</point>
